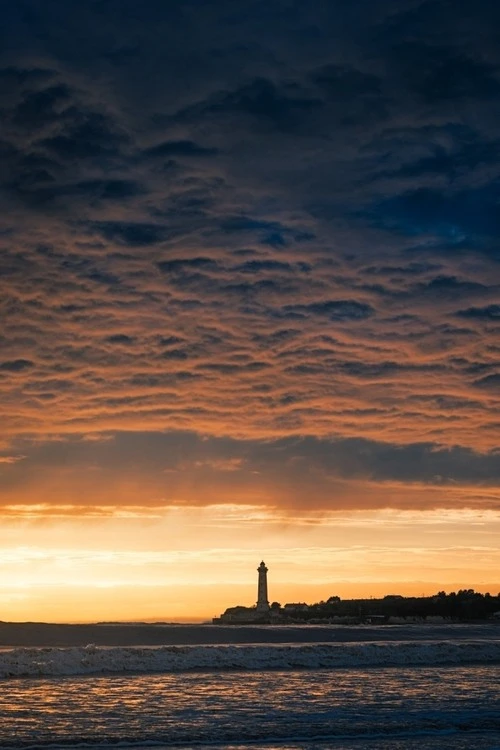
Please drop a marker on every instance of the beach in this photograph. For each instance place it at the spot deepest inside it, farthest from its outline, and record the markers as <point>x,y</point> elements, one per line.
<point>158,634</point>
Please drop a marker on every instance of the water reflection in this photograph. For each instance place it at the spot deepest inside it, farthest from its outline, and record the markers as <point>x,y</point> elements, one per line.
<point>250,706</point>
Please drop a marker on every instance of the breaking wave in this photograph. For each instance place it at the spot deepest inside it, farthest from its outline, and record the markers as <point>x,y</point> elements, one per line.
<point>91,659</point>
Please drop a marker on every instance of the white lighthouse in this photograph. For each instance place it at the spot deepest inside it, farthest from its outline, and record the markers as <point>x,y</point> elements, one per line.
<point>262,601</point>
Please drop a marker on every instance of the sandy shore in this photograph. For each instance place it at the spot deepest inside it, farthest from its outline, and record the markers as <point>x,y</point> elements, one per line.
<point>43,634</point>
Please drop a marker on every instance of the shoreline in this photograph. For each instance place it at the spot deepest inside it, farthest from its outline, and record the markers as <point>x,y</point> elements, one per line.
<point>32,634</point>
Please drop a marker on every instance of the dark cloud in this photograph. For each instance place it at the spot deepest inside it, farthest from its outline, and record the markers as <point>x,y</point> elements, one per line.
<point>162,464</point>
<point>34,190</point>
<point>16,365</point>
<point>439,74</point>
<point>131,233</point>
<point>282,107</point>
<point>41,108</point>
<point>490,312</point>
<point>422,462</point>
<point>385,370</point>
<point>102,277</point>
<point>247,224</point>
<point>469,215</point>
<point>106,190</point>
<point>338,310</point>
<point>23,76</point>
<point>169,149</point>
<point>355,94</point>
<point>450,160</point>
<point>489,382</point>
<point>86,136</point>
<point>342,83</point>
<point>120,338</point>
<point>259,222</point>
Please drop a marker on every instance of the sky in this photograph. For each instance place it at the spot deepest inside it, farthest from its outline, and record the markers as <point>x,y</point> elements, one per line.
<point>249,300</point>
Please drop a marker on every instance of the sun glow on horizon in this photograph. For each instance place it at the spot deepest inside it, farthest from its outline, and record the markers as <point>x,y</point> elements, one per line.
<point>181,563</point>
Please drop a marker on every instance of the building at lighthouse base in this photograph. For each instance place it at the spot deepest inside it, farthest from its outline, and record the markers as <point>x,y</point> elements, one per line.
<point>241,615</point>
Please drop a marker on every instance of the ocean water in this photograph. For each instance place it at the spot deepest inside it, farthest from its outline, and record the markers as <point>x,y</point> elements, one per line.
<point>359,695</point>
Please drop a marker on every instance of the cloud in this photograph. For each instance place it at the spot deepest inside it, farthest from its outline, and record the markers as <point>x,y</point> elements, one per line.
<point>87,135</point>
<point>282,107</point>
<point>97,192</point>
<point>11,459</point>
<point>120,338</point>
<point>290,473</point>
<point>179,265</point>
<point>253,226</point>
<point>490,312</point>
<point>467,215</point>
<point>131,233</point>
<point>338,310</point>
<point>489,382</point>
<point>179,149</point>
<point>438,74</point>
<point>356,95</point>
<point>16,365</point>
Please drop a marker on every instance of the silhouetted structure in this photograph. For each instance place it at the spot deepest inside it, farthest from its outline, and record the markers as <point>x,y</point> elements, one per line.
<point>260,614</point>
<point>465,605</point>
<point>262,600</point>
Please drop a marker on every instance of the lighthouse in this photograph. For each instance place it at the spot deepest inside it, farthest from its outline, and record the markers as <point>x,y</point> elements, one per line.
<point>262,601</point>
<point>259,615</point>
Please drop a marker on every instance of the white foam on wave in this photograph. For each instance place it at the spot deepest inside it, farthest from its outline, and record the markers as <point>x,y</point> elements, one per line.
<point>29,662</point>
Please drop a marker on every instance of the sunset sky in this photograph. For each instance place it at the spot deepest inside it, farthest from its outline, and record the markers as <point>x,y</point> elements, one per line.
<point>249,299</point>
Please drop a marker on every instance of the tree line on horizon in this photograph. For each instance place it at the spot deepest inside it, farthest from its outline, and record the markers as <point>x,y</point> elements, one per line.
<point>465,604</point>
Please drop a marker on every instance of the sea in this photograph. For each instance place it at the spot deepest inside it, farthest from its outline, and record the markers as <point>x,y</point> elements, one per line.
<point>357,688</point>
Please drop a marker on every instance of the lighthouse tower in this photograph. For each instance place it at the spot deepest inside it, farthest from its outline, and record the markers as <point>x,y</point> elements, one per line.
<point>262,601</point>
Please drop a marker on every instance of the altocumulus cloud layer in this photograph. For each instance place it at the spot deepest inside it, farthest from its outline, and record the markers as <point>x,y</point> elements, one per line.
<point>250,250</point>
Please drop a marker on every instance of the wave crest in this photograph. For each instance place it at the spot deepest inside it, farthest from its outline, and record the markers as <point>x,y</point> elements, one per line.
<point>29,662</point>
